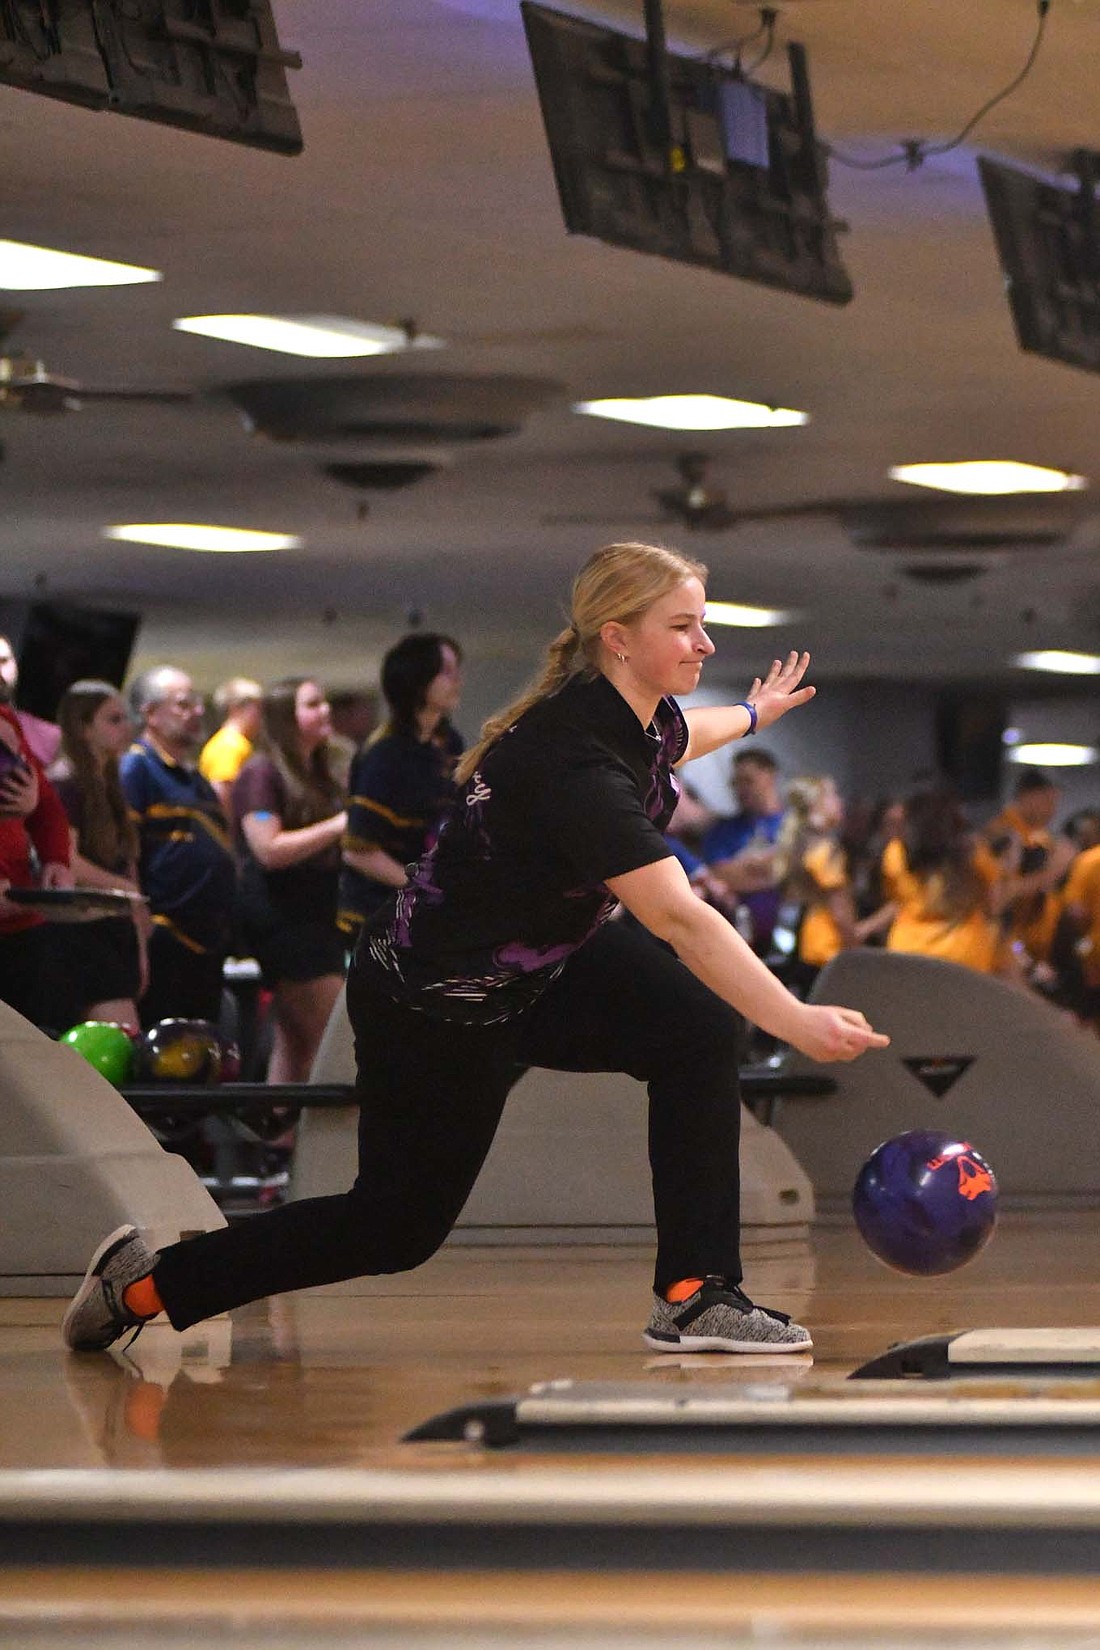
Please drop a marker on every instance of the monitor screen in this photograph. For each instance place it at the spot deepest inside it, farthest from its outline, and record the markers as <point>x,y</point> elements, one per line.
<point>57,645</point>
<point>738,187</point>
<point>216,68</point>
<point>1048,241</point>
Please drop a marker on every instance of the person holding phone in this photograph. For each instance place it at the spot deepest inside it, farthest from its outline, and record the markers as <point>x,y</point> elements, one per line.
<point>31,817</point>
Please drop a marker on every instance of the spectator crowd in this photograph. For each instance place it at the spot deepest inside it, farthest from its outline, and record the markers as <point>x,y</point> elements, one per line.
<point>277,834</point>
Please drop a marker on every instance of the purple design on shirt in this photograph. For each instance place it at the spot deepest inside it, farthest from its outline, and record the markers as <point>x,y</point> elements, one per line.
<point>530,958</point>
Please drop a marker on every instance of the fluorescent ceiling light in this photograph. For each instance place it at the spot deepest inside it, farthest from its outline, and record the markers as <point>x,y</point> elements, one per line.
<point>319,336</point>
<point>993,475</point>
<point>1054,756</point>
<point>177,535</point>
<point>1056,659</point>
<point>749,618</point>
<point>691,412</point>
<point>41,269</point>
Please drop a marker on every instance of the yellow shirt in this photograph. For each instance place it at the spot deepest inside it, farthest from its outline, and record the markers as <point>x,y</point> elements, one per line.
<point>971,939</point>
<point>1083,889</point>
<point>224,755</point>
<point>1032,917</point>
<point>826,869</point>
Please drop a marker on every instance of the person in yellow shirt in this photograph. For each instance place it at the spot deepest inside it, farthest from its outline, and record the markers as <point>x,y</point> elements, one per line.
<point>948,888</point>
<point>1081,905</point>
<point>1033,861</point>
<point>815,873</point>
<point>239,704</point>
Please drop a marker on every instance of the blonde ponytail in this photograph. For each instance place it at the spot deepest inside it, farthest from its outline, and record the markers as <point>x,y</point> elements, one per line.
<point>618,583</point>
<point>561,663</point>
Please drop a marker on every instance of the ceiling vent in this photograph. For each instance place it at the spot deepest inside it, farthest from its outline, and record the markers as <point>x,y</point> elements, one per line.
<point>390,409</point>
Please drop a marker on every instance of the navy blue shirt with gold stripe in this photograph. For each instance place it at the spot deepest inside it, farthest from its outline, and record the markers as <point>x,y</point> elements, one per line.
<point>576,792</point>
<point>186,866</point>
<point>398,789</point>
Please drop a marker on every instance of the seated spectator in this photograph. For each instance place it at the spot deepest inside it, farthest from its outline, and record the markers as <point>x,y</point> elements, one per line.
<point>739,848</point>
<point>401,783</point>
<point>1033,860</point>
<point>99,969</point>
<point>289,822</point>
<point>948,886</point>
<point>225,753</point>
<point>44,738</point>
<point>186,866</point>
<point>33,828</point>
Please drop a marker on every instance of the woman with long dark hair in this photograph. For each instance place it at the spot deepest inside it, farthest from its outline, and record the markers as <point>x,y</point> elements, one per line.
<point>97,969</point>
<point>498,955</point>
<point>289,817</point>
<point>947,886</point>
<point>402,781</point>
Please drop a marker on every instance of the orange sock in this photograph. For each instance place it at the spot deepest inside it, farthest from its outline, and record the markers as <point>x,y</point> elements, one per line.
<point>142,1298</point>
<point>681,1291</point>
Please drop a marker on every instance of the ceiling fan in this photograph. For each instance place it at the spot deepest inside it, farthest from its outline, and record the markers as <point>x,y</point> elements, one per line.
<point>945,526</point>
<point>693,503</point>
<point>27,386</point>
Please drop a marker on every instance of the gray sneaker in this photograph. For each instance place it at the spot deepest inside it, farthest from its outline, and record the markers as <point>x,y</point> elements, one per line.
<point>98,1314</point>
<point>719,1317</point>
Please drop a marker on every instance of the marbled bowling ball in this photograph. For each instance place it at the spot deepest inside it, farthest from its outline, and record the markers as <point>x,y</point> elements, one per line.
<point>106,1046</point>
<point>230,1065</point>
<point>925,1202</point>
<point>179,1051</point>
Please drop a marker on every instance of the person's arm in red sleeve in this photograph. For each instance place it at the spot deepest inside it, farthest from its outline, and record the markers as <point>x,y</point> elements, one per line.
<point>48,829</point>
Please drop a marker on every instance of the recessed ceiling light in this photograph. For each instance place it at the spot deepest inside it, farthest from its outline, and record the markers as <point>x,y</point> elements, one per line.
<point>1057,659</point>
<point>993,475</point>
<point>176,535</point>
<point>749,618</point>
<point>319,336</point>
<point>1054,755</point>
<point>691,412</point>
<point>41,269</point>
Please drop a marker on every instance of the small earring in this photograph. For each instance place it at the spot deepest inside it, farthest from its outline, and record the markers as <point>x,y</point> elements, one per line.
<point>621,658</point>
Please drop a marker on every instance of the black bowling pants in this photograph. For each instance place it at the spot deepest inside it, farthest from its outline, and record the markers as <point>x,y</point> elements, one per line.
<point>431,1096</point>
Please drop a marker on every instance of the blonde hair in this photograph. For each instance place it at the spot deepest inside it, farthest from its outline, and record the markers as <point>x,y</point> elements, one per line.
<point>798,829</point>
<point>617,584</point>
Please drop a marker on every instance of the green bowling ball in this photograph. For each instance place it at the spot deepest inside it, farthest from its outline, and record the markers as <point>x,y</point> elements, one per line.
<point>105,1045</point>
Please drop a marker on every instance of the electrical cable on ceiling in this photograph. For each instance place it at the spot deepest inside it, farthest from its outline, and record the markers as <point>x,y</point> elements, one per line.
<point>736,48</point>
<point>914,151</point>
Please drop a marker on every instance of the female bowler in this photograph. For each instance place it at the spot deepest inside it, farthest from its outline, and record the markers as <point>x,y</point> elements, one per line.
<point>498,955</point>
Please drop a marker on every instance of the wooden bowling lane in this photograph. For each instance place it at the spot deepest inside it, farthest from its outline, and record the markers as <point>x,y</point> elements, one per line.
<point>317,1606</point>
<point>104,1461</point>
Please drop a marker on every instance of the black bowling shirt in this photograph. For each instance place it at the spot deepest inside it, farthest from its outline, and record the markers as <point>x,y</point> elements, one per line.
<point>575,792</point>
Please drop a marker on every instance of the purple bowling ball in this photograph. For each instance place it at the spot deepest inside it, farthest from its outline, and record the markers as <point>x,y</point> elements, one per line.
<point>925,1202</point>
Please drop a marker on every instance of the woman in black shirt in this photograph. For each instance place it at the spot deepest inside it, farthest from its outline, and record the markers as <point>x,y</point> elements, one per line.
<point>496,957</point>
<point>402,781</point>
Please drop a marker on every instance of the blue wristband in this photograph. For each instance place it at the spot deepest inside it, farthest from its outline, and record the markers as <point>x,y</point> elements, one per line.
<point>743,704</point>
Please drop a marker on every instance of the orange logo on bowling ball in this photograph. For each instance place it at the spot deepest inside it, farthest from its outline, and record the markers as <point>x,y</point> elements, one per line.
<point>974,1177</point>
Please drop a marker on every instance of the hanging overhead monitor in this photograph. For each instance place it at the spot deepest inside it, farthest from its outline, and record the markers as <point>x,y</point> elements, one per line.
<point>216,68</point>
<point>697,164</point>
<point>1048,241</point>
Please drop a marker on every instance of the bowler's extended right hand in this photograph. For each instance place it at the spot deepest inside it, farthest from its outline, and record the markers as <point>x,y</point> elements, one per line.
<point>835,1033</point>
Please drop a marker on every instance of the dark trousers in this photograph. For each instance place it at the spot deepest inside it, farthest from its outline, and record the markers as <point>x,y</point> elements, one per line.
<point>22,982</point>
<point>183,984</point>
<point>431,1095</point>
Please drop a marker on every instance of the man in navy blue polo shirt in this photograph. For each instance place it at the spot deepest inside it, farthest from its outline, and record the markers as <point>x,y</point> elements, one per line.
<point>186,868</point>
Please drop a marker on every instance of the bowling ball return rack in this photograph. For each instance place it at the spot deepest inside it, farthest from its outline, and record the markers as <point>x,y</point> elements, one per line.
<point>761,1089</point>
